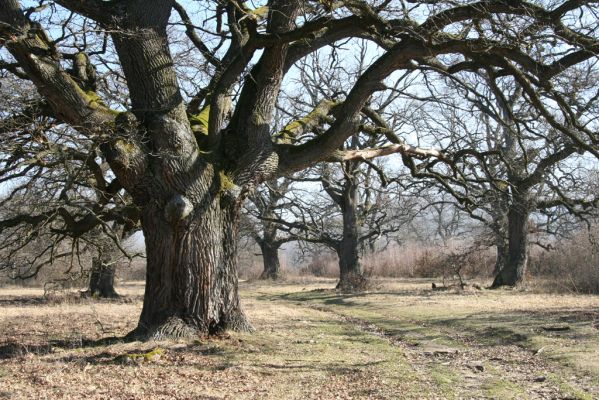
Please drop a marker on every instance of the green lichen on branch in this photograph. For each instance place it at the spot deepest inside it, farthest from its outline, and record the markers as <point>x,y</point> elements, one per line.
<point>93,99</point>
<point>95,102</point>
<point>307,123</point>
<point>259,13</point>
<point>126,146</point>
<point>228,190</point>
<point>199,127</point>
<point>199,122</point>
<point>84,75</point>
<point>81,58</point>
<point>226,182</point>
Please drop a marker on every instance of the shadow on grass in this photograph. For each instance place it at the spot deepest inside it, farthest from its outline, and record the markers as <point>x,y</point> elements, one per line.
<point>333,297</point>
<point>486,329</point>
<point>136,355</point>
<point>68,298</point>
<point>23,301</point>
<point>15,349</point>
<point>516,327</point>
<point>334,367</point>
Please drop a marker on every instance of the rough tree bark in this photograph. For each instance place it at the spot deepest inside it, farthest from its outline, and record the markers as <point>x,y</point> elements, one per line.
<point>351,274</point>
<point>502,248</point>
<point>514,269</point>
<point>101,280</point>
<point>269,246</point>
<point>270,257</point>
<point>189,189</point>
<point>191,282</point>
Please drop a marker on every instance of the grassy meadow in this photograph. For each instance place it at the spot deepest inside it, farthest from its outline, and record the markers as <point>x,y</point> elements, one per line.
<point>399,340</point>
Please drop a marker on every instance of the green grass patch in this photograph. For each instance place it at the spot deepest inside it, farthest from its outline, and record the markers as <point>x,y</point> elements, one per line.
<point>504,389</point>
<point>567,389</point>
<point>446,379</point>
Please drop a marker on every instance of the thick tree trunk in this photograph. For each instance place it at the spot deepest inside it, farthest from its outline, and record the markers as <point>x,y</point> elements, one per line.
<point>190,204</point>
<point>101,281</point>
<point>270,257</point>
<point>270,248</point>
<point>191,281</point>
<point>191,285</point>
<point>514,270</point>
<point>351,277</point>
<point>502,247</point>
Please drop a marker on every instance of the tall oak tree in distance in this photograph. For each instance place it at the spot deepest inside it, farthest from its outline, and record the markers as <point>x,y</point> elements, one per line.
<point>59,200</point>
<point>522,164</point>
<point>265,205</point>
<point>189,157</point>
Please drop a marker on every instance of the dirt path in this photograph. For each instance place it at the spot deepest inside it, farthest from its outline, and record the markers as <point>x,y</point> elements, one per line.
<point>457,365</point>
<point>473,371</point>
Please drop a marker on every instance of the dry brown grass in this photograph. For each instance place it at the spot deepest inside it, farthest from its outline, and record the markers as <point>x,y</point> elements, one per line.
<point>410,260</point>
<point>311,343</point>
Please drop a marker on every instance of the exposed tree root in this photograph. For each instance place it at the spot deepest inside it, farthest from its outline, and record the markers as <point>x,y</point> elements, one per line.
<point>272,275</point>
<point>237,321</point>
<point>175,328</point>
<point>353,284</point>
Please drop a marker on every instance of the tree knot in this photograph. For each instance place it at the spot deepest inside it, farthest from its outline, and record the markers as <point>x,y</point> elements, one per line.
<point>178,208</point>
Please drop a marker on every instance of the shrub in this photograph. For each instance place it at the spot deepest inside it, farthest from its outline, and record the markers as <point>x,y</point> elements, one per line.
<point>573,265</point>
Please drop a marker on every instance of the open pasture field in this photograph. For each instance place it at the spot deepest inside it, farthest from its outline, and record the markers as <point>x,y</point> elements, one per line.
<point>400,340</point>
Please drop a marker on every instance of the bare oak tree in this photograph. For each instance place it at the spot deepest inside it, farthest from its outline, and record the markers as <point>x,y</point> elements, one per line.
<point>269,203</point>
<point>189,159</point>
<point>509,161</point>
